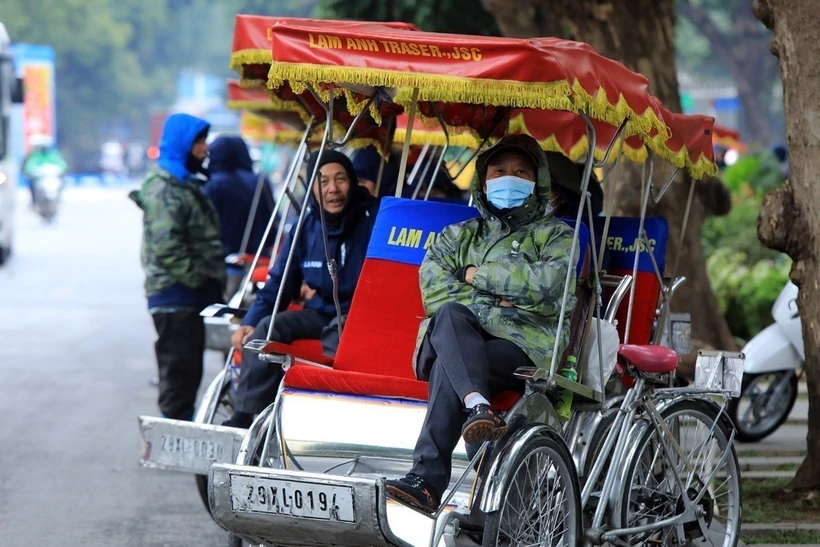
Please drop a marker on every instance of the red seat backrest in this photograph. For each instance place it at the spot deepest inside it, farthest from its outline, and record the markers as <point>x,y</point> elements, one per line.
<point>382,325</point>
<point>380,333</point>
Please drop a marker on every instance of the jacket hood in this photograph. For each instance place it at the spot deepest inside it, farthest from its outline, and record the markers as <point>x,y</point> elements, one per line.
<point>536,203</point>
<point>229,153</point>
<point>178,136</point>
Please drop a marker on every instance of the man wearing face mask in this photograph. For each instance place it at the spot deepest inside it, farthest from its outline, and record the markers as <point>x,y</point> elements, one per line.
<point>350,212</point>
<point>183,260</point>
<point>492,289</point>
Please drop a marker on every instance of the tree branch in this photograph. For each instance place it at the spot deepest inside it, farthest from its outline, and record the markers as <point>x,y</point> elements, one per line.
<point>701,21</point>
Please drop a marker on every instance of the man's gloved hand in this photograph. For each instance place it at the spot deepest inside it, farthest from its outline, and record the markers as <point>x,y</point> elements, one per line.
<point>241,336</point>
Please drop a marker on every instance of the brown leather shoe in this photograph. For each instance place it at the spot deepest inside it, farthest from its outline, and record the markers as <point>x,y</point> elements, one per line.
<point>483,424</point>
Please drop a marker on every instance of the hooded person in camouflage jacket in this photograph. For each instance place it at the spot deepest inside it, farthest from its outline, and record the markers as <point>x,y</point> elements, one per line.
<point>183,259</point>
<point>492,290</point>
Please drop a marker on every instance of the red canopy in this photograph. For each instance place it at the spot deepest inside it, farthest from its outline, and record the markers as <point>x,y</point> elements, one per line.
<point>287,117</point>
<point>729,138</point>
<point>542,73</point>
<point>473,80</point>
<point>251,51</point>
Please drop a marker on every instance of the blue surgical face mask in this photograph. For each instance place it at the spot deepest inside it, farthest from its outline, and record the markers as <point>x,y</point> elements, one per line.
<point>509,191</point>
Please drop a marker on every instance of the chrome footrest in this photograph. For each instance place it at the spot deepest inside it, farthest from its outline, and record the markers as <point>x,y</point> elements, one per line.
<point>187,446</point>
<point>283,507</point>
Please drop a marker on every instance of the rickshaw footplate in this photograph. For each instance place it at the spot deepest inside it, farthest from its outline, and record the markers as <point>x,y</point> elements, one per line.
<point>285,507</point>
<point>179,445</point>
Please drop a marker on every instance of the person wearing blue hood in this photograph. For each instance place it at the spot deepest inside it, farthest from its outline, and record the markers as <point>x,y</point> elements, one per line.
<point>231,188</point>
<point>183,260</point>
<point>366,162</point>
<point>350,212</point>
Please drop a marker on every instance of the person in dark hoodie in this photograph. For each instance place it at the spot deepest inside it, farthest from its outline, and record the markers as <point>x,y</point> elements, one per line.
<point>366,162</point>
<point>183,260</point>
<point>350,212</point>
<point>231,187</point>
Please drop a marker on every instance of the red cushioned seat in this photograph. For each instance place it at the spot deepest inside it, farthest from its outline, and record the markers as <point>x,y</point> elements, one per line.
<point>375,355</point>
<point>653,359</point>
<point>260,274</point>
<point>359,383</point>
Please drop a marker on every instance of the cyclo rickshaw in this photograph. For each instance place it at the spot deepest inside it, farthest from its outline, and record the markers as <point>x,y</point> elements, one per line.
<point>304,476</point>
<point>193,446</point>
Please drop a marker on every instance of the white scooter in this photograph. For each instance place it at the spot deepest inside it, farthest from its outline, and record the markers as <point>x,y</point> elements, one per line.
<point>48,183</point>
<point>774,362</point>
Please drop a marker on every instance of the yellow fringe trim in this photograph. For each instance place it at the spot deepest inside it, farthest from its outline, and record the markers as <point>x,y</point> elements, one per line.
<point>544,95</point>
<point>435,138</point>
<point>249,57</point>
<point>432,87</point>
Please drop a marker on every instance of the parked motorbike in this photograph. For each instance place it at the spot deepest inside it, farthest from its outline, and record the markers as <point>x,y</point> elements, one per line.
<point>774,362</point>
<point>48,182</point>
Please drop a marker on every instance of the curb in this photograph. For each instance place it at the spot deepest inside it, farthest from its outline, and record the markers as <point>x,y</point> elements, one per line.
<point>762,463</point>
<point>768,475</point>
<point>771,452</point>
<point>768,528</point>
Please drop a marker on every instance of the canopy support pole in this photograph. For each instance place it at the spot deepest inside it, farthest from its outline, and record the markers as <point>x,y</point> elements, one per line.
<point>644,204</point>
<point>657,199</point>
<point>290,179</point>
<point>405,151</point>
<point>591,136</point>
<point>411,179</point>
<point>331,262</point>
<point>257,194</point>
<point>612,143</point>
<point>388,144</point>
<point>424,172</point>
<point>667,301</point>
<point>443,152</point>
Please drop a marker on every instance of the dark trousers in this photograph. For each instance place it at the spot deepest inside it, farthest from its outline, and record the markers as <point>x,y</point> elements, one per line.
<point>179,348</point>
<point>465,358</point>
<point>259,380</point>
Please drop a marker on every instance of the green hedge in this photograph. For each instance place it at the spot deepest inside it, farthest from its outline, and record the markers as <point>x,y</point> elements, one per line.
<point>746,276</point>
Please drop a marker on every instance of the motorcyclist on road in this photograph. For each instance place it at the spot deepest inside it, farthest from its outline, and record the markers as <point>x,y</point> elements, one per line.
<point>43,152</point>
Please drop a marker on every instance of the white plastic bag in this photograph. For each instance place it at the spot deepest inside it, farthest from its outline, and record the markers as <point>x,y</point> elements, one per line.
<point>590,367</point>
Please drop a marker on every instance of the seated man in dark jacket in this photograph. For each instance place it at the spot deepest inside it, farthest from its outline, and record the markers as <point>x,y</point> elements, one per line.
<point>231,188</point>
<point>350,212</point>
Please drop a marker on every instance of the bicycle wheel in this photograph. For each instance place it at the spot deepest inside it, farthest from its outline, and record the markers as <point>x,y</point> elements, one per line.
<point>541,501</point>
<point>224,410</point>
<point>651,491</point>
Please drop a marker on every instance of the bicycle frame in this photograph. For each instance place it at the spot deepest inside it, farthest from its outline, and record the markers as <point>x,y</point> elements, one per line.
<point>626,430</point>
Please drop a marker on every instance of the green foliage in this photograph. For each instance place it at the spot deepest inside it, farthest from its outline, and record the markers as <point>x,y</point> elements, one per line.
<point>118,59</point>
<point>745,275</point>
<point>761,172</point>
<point>459,16</point>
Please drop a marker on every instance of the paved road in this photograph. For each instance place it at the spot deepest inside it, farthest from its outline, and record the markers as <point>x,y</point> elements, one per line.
<point>75,360</point>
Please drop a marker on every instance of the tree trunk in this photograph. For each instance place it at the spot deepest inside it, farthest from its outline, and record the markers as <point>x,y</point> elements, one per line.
<point>641,34</point>
<point>789,219</point>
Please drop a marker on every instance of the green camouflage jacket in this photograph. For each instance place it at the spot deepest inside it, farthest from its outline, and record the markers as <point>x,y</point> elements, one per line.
<point>181,241</point>
<point>522,258</point>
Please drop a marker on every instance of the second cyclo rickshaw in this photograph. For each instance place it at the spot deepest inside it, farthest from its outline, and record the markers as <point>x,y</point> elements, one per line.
<point>304,476</point>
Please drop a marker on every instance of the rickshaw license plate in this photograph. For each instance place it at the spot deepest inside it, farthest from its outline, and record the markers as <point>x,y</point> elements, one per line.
<point>292,498</point>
